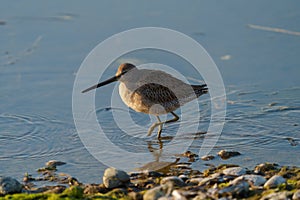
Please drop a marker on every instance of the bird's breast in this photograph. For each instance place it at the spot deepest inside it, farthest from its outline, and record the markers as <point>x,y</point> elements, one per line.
<point>129,97</point>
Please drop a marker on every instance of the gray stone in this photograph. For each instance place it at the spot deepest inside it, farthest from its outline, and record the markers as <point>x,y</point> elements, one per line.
<point>165,198</point>
<point>227,154</point>
<point>135,196</point>
<point>195,181</point>
<point>276,196</point>
<point>200,196</point>
<point>154,193</point>
<point>207,157</point>
<point>253,179</point>
<point>235,171</point>
<point>264,167</point>
<point>274,181</point>
<point>114,178</point>
<point>183,177</point>
<point>216,177</point>
<point>296,195</point>
<point>54,163</point>
<point>177,195</point>
<point>9,185</point>
<point>240,189</point>
<point>174,180</point>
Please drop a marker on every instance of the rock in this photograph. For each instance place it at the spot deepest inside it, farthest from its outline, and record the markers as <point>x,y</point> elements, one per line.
<point>114,178</point>
<point>154,193</point>
<point>274,181</point>
<point>253,179</point>
<point>214,178</point>
<point>174,180</point>
<point>188,193</point>
<point>207,157</point>
<point>296,195</point>
<point>183,177</point>
<point>177,195</point>
<point>135,196</point>
<point>53,189</point>
<point>75,191</point>
<point>73,181</point>
<point>9,185</point>
<point>195,181</point>
<point>240,189</point>
<point>165,198</point>
<point>54,163</point>
<point>117,193</point>
<point>94,188</point>
<point>276,196</point>
<point>200,196</point>
<point>235,171</point>
<point>265,167</point>
<point>228,154</point>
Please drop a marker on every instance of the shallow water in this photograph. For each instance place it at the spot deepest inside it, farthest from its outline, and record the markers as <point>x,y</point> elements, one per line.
<point>42,49</point>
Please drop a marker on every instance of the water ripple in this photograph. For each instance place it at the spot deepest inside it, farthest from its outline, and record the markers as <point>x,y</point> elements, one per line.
<point>25,136</point>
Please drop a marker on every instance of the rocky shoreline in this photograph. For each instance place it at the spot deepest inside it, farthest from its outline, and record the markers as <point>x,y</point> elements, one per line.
<point>164,181</point>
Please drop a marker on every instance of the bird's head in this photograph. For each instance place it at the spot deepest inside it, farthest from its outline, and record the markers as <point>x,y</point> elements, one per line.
<point>123,69</point>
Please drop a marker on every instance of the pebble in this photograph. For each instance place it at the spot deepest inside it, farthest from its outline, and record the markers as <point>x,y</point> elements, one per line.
<point>253,179</point>
<point>114,178</point>
<point>264,167</point>
<point>54,163</point>
<point>183,177</point>
<point>176,181</point>
<point>154,193</point>
<point>228,154</point>
<point>212,178</point>
<point>94,188</point>
<point>135,196</point>
<point>165,198</point>
<point>235,171</point>
<point>239,189</point>
<point>276,196</point>
<point>274,181</point>
<point>207,157</point>
<point>53,189</point>
<point>195,181</point>
<point>296,195</point>
<point>9,185</point>
<point>200,196</point>
<point>177,195</point>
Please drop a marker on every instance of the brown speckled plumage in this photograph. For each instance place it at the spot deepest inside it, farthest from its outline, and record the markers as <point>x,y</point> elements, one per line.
<point>152,91</point>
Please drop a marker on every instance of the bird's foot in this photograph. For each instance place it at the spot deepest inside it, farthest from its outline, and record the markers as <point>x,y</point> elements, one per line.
<point>153,126</point>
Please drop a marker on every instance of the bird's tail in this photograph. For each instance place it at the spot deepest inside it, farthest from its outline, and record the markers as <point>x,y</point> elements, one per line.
<point>200,89</point>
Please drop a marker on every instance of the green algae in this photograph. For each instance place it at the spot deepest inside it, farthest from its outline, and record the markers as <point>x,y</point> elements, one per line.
<point>74,191</point>
<point>70,193</point>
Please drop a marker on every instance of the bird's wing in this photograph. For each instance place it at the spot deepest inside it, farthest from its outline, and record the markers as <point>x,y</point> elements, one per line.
<point>153,93</point>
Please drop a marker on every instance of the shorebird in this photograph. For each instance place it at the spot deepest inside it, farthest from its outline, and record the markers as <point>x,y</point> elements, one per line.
<point>153,92</point>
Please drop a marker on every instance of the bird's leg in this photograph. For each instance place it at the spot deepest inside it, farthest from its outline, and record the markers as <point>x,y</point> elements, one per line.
<point>174,119</point>
<point>160,124</point>
<point>154,125</point>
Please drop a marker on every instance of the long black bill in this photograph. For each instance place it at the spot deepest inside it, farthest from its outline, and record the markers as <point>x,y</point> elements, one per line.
<point>113,79</point>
